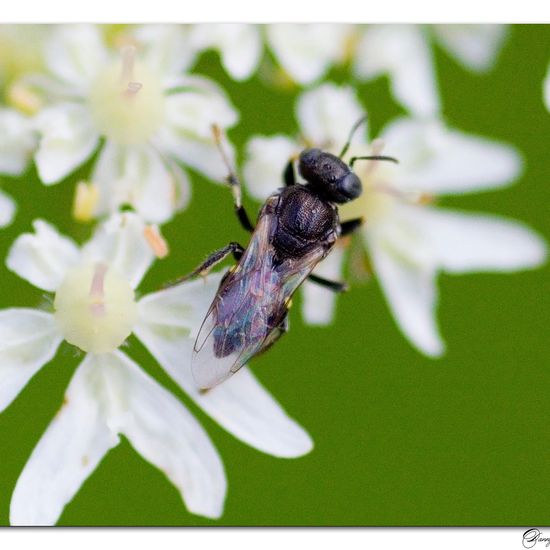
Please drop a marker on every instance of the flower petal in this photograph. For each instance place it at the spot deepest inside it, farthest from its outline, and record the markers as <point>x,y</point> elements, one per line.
<point>464,242</point>
<point>475,46</point>
<point>120,242</point>
<point>436,159</point>
<point>68,138</point>
<point>169,320</point>
<point>319,303</point>
<point>17,141</point>
<point>191,114</point>
<point>7,209</point>
<point>68,452</point>
<point>75,54</point>
<point>328,113</point>
<point>400,51</point>
<point>266,158</point>
<point>306,51</point>
<point>164,433</point>
<point>408,283</point>
<point>166,48</point>
<point>239,45</point>
<point>28,340</point>
<point>135,175</point>
<point>42,258</point>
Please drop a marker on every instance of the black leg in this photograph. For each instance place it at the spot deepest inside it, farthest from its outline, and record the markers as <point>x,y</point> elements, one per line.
<point>331,285</point>
<point>274,335</point>
<point>233,182</point>
<point>350,226</point>
<point>289,176</point>
<point>215,258</point>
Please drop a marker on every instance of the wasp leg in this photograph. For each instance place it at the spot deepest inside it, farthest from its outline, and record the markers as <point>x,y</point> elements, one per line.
<point>274,335</point>
<point>331,285</point>
<point>289,176</point>
<point>233,182</point>
<point>346,228</point>
<point>215,258</point>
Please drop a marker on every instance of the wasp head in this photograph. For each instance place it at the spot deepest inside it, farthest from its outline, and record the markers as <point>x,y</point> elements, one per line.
<point>329,175</point>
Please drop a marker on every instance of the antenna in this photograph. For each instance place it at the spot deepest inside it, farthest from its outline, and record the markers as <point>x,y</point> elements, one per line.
<point>354,129</point>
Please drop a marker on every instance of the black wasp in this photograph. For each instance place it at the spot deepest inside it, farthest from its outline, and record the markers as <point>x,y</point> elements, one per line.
<point>296,228</point>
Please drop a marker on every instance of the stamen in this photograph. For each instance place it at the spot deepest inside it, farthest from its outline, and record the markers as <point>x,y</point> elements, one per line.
<point>376,147</point>
<point>156,241</point>
<point>133,88</point>
<point>97,292</point>
<point>24,99</point>
<point>411,197</point>
<point>86,198</point>
<point>128,62</point>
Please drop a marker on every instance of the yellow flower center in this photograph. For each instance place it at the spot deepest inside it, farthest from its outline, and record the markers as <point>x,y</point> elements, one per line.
<point>127,101</point>
<point>95,308</point>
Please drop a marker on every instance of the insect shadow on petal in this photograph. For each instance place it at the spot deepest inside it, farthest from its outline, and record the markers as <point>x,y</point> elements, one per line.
<point>296,228</point>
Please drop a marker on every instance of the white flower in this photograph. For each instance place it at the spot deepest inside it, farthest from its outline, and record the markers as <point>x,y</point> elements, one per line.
<point>139,101</point>
<point>239,45</point>
<point>409,239</point>
<point>7,209</point>
<point>17,141</point>
<point>307,51</point>
<point>404,53</point>
<point>96,309</point>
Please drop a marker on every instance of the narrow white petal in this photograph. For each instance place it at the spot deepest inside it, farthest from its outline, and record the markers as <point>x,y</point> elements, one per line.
<point>200,154</point>
<point>67,139</point>
<point>165,47</point>
<point>239,45</point>
<point>120,242</point>
<point>408,283</point>
<point>169,322</point>
<point>68,452</point>
<point>401,52</point>
<point>138,176</point>
<point>319,303</point>
<point>266,159</point>
<point>475,46</point>
<point>191,114</point>
<point>42,257</point>
<point>28,340</point>
<point>164,433</point>
<point>436,159</point>
<point>7,209</point>
<point>306,51</point>
<point>75,54</point>
<point>17,142</point>
<point>464,242</point>
<point>199,104</point>
<point>327,114</point>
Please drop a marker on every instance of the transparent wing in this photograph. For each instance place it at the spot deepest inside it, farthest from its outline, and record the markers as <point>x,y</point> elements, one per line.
<point>250,305</point>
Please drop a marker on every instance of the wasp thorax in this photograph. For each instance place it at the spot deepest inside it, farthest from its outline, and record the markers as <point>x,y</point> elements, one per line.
<point>330,175</point>
<point>95,308</point>
<point>127,101</point>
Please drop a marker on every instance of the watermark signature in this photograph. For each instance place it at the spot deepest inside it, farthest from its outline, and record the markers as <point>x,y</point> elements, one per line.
<point>532,536</point>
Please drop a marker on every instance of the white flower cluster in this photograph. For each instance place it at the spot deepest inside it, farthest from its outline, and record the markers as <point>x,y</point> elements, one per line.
<point>126,102</point>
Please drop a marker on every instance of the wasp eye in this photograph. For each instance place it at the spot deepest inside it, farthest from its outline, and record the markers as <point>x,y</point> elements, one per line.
<point>350,187</point>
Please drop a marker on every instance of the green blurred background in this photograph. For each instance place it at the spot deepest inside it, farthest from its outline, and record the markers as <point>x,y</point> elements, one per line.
<point>399,439</point>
